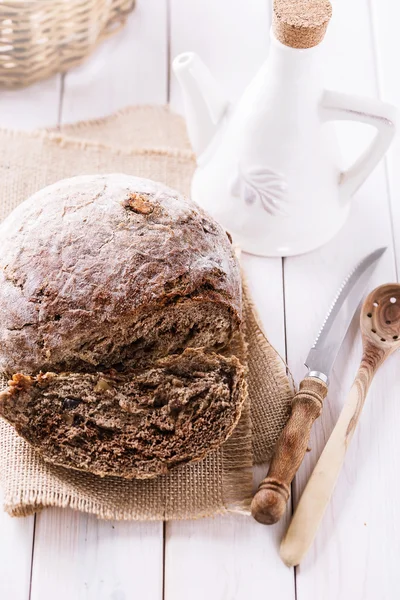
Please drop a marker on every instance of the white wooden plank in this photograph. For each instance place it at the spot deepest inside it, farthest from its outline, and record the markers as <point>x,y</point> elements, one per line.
<point>354,555</point>
<point>16,537</point>
<point>265,281</point>
<point>229,557</point>
<point>230,36</point>
<point>111,560</point>
<point>32,107</point>
<point>130,68</point>
<point>83,558</point>
<point>27,108</point>
<point>384,19</point>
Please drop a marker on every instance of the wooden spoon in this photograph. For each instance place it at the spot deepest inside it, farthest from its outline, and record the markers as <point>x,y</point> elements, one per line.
<point>380,328</point>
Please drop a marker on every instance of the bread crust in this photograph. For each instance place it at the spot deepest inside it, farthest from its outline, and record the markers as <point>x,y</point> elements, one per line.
<point>84,259</point>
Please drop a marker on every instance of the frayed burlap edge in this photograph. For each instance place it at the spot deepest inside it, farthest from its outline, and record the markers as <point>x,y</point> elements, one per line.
<point>64,140</point>
<point>96,129</point>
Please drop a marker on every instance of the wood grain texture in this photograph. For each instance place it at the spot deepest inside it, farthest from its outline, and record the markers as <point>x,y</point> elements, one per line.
<point>380,326</point>
<point>16,539</point>
<point>384,14</point>
<point>269,503</point>
<point>225,557</point>
<point>129,68</point>
<point>231,37</point>
<point>352,556</point>
<point>78,556</point>
<point>35,106</point>
<point>265,279</point>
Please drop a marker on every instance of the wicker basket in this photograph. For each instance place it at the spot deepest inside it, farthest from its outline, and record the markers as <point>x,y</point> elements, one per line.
<point>41,37</point>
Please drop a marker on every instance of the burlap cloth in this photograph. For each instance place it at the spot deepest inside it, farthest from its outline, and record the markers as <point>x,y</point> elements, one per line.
<point>148,142</point>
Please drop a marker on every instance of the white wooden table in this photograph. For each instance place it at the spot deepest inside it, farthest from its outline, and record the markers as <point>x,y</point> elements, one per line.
<point>69,556</point>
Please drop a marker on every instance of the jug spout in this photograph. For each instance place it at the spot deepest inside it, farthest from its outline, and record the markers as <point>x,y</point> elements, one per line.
<point>203,99</point>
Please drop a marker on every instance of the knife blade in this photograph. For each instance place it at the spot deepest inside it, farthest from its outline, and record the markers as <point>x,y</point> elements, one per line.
<point>323,353</point>
<point>269,503</point>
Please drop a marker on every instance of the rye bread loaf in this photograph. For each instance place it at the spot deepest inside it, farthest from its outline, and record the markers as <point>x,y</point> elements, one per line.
<point>114,272</point>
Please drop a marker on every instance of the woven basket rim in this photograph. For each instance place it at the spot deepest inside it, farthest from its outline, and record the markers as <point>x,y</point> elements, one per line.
<point>39,39</point>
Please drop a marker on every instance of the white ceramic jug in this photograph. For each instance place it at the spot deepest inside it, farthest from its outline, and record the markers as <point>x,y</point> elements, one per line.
<point>268,169</point>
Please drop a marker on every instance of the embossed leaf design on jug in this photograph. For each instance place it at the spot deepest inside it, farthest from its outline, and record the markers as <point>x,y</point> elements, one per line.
<point>263,185</point>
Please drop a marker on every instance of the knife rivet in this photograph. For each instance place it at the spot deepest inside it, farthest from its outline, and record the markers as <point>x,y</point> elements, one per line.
<point>388,322</point>
<point>369,315</point>
<point>376,303</point>
<point>383,340</point>
<point>373,330</point>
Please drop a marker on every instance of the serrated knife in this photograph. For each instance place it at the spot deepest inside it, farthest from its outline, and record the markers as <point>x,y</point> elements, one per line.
<point>269,503</point>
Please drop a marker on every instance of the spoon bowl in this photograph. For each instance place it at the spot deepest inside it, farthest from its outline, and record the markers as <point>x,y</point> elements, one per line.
<point>380,317</point>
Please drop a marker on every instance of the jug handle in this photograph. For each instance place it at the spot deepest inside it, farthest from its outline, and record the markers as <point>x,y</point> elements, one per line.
<point>338,107</point>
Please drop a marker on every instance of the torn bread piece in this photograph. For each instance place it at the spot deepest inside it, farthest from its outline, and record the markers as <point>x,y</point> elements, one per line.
<point>136,423</point>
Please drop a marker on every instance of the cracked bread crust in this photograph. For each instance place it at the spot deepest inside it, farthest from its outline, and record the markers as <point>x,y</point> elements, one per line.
<point>139,423</point>
<point>100,269</point>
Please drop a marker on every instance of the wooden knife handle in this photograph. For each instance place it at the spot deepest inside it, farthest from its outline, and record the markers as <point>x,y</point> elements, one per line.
<point>269,503</point>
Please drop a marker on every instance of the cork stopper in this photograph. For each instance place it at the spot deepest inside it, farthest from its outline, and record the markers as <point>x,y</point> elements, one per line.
<point>301,23</point>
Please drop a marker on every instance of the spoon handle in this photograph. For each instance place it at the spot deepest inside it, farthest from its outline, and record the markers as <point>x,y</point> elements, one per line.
<point>320,486</point>
<point>269,503</point>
